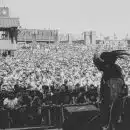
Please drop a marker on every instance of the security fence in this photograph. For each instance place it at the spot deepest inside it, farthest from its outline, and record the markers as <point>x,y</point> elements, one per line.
<point>51,116</point>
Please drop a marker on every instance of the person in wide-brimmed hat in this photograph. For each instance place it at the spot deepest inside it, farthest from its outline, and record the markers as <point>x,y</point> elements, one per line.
<point>112,83</point>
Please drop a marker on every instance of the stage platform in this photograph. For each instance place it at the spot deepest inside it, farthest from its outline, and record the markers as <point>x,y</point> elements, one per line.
<point>36,128</point>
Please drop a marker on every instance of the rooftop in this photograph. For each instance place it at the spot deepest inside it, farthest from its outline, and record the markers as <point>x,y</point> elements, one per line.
<point>7,22</point>
<point>41,35</point>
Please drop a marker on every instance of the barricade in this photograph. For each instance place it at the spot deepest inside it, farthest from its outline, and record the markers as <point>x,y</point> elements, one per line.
<point>52,115</point>
<point>4,120</point>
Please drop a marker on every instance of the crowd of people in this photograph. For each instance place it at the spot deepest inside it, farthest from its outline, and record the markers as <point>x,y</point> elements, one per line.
<point>28,107</point>
<point>50,74</point>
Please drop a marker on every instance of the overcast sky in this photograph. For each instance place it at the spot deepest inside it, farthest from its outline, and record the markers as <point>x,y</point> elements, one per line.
<point>73,16</point>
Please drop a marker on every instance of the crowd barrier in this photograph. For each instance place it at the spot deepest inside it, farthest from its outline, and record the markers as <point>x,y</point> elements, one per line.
<point>51,116</point>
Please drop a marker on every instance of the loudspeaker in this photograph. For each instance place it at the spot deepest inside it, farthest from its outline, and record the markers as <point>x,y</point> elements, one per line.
<point>82,118</point>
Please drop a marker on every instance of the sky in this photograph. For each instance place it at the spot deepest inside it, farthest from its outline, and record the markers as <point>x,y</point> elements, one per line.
<point>106,17</point>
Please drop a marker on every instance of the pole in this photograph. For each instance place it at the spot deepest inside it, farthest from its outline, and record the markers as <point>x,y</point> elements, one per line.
<point>62,114</point>
<point>49,35</point>
<point>25,38</point>
<point>49,115</point>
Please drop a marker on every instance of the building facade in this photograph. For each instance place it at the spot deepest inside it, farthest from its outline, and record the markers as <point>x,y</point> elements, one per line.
<point>8,32</point>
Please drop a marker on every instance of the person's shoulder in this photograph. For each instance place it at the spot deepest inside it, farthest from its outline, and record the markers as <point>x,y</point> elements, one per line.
<point>6,100</point>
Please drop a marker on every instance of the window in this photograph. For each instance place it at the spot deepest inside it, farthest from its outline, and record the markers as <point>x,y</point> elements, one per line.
<point>4,35</point>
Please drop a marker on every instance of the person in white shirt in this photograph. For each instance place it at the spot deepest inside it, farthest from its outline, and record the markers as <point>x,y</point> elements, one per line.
<point>10,102</point>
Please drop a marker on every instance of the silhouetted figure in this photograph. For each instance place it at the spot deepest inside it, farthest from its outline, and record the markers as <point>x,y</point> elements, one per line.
<point>112,85</point>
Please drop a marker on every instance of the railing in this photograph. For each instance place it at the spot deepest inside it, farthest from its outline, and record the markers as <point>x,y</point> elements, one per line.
<point>52,116</point>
